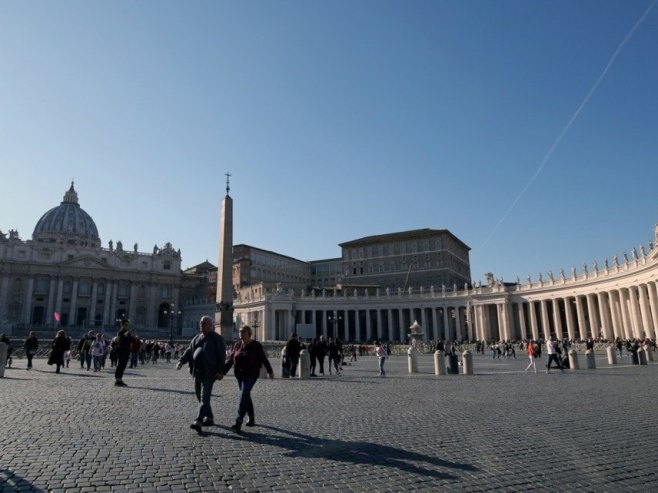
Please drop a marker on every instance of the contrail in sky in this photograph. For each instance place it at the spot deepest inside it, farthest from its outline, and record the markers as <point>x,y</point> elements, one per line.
<point>568,125</point>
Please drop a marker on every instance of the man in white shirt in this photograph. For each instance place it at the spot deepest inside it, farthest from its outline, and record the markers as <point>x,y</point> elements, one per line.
<point>551,346</point>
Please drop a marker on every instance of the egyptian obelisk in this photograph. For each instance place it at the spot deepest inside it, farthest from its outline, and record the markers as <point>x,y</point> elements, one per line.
<point>224,296</point>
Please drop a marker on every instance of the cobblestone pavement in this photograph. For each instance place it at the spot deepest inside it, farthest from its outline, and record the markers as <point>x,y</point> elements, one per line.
<point>501,429</point>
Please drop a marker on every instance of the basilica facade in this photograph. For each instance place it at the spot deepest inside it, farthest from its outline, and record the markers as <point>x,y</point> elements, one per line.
<point>64,278</point>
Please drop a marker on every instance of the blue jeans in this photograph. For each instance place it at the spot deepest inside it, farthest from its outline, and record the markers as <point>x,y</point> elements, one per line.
<point>98,362</point>
<point>205,410</point>
<point>381,366</point>
<point>246,406</point>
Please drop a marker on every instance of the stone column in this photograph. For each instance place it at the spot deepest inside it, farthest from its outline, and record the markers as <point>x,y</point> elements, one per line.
<point>151,307</point>
<point>502,329</point>
<point>4,288</point>
<point>625,314</point>
<point>389,319</point>
<point>325,314</point>
<point>60,293</point>
<point>644,311</point>
<point>435,327</point>
<point>568,312</point>
<point>132,305</point>
<point>635,312</point>
<point>458,324</point>
<point>522,325</point>
<point>346,325</point>
<point>533,321</point>
<point>615,307</point>
<point>594,321</point>
<point>403,334</point>
<point>653,303</point>
<point>604,315</point>
<point>446,324</point>
<point>544,319</point>
<point>368,326</point>
<point>380,329</point>
<point>357,323</point>
<point>580,313</point>
<point>50,306</point>
<point>557,320</point>
<point>73,306</point>
<point>107,315</point>
<point>92,303</point>
<point>423,322</point>
<point>27,314</point>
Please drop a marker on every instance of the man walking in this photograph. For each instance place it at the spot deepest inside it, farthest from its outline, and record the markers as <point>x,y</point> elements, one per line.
<point>293,348</point>
<point>551,349</point>
<point>207,355</point>
<point>124,340</point>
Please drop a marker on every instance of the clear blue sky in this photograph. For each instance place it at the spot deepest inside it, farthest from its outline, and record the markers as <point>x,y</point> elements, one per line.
<point>337,120</point>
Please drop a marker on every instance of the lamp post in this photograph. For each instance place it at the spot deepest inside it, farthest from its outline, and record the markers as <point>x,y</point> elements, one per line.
<point>173,313</point>
<point>334,321</point>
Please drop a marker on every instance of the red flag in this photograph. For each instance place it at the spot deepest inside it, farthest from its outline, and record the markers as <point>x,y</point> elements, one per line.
<point>56,316</point>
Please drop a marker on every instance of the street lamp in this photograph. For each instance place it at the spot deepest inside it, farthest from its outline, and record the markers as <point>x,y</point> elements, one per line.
<point>334,321</point>
<point>173,313</point>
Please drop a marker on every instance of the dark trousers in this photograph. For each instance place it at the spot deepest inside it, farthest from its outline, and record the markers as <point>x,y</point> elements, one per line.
<point>29,360</point>
<point>321,361</point>
<point>553,357</point>
<point>246,407</point>
<point>121,366</point>
<point>293,365</point>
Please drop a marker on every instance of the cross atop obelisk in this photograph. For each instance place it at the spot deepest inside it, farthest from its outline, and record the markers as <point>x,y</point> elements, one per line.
<point>224,297</point>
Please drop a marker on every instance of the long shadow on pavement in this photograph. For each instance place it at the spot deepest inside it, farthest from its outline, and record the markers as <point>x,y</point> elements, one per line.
<point>305,446</point>
<point>10,482</point>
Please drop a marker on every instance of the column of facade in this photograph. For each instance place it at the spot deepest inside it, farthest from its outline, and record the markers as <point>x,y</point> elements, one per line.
<point>325,314</point>
<point>557,320</point>
<point>435,327</point>
<point>653,303</point>
<point>479,323</point>
<point>522,325</point>
<point>502,335</point>
<point>73,306</point>
<point>534,327</point>
<point>346,324</point>
<point>357,323</point>
<point>132,302</point>
<point>458,324</point>
<point>446,324</point>
<point>4,288</point>
<point>423,322</point>
<point>315,327</point>
<point>58,298</point>
<point>368,326</point>
<point>50,304</point>
<point>647,324</point>
<point>544,319</point>
<point>568,313</point>
<point>595,323</point>
<point>604,315</point>
<point>635,312</point>
<point>27,313</point>
<point>92,304</point>
<point>389,320</point>
<point>401,331</point>
<point>580,314</point>
<point>625,314</point>
<point>152,305</point>
<point>616,314</point>
<point>379,329</point>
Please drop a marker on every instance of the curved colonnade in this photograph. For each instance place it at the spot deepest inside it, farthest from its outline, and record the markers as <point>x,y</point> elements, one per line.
<point>617,301</point>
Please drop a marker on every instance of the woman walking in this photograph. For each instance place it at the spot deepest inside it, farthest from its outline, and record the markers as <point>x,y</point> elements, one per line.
<point>31,347</point>
<point>532,352</point>
<point>98,351</point>
<point>60,345</point>
<point>246,358</point>
<point>380,352</point>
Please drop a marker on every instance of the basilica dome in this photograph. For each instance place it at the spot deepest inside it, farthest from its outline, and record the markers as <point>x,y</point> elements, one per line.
<point>67,223</point>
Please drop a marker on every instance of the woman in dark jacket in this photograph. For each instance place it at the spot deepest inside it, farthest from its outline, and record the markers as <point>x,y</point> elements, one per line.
<point>246,358</point>
<point>60,345</point>
<point>31,346</point>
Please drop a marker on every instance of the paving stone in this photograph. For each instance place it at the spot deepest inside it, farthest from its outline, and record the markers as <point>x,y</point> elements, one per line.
<point>501,429</point>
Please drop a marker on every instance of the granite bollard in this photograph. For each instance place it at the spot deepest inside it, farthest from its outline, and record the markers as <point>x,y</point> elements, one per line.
<point>439,363</point>
<point>573,360</point>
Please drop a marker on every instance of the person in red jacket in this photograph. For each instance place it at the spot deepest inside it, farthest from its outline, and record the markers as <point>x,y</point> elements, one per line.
<point>246,357</point>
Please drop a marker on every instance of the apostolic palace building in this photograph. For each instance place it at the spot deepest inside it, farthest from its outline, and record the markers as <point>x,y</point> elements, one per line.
<point>376,289</point>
